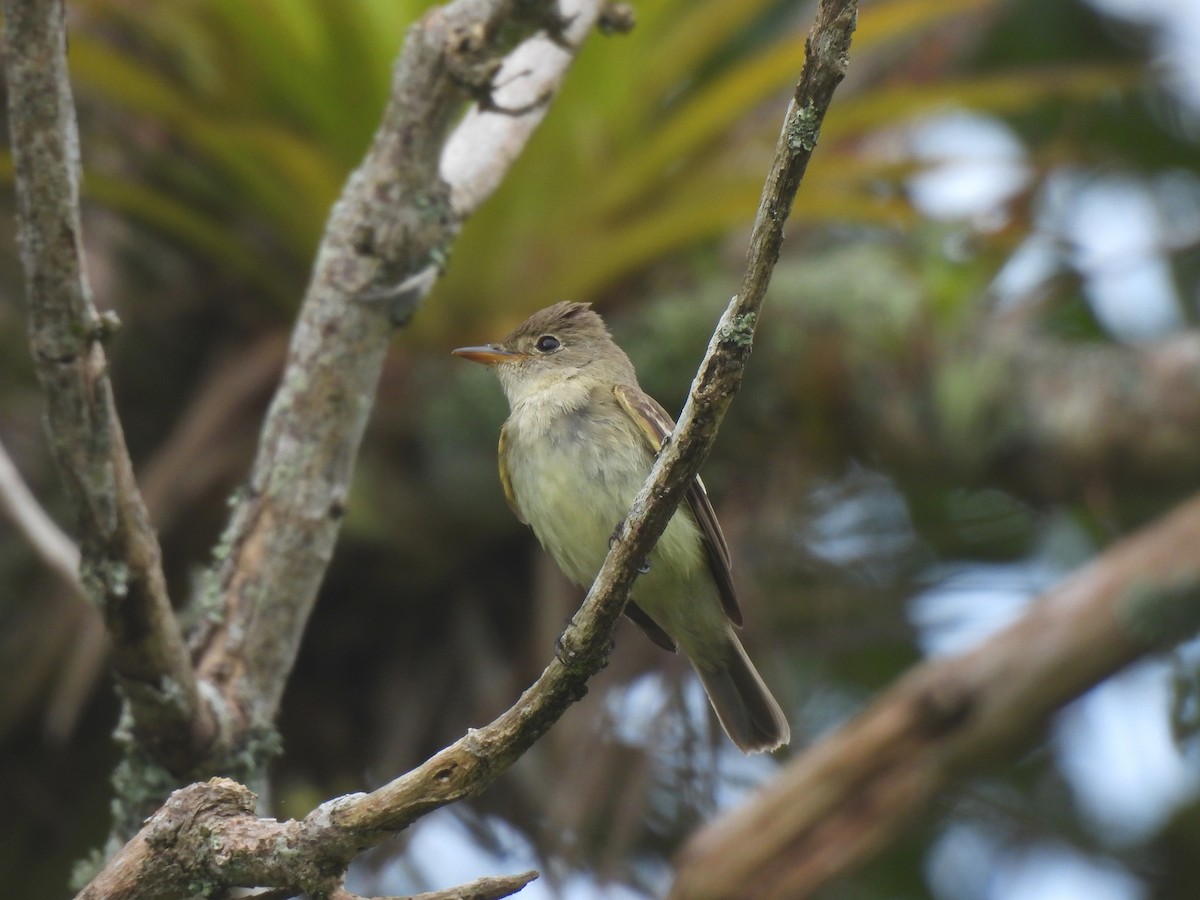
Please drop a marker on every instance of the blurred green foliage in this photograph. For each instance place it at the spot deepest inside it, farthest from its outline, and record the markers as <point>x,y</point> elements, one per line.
<point>231,133</point>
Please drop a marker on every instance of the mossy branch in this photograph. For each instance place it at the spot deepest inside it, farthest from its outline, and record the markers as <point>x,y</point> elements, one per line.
<point>120,566</point>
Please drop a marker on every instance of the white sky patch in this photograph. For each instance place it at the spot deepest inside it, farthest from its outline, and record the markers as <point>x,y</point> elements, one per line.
<point>643,714</point>
<point>1115,747</point>
<point>960,861</point>
<point>975,166</point>
<point>1114,230</point>
<point>636,709</point>
<point>972,862</point>
<point>1052,872</point>
<point>858,519</point>
<point>970,603</point>
<point>1175,28</point>
<point>1028,268</point>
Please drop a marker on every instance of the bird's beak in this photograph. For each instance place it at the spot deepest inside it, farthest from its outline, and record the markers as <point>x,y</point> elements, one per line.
<point>488,354</point>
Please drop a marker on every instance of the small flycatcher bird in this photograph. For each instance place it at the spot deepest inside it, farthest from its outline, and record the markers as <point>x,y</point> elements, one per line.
<point>577,446</point>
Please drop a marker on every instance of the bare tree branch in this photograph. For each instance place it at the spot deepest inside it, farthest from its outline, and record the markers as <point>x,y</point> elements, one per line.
<point>855,792</point>
<point>50,542</point>
<point>219,815</point>
<point>527,81</point>
<point>720,373</point>
<point>59,553</point>
<point>121,565</point>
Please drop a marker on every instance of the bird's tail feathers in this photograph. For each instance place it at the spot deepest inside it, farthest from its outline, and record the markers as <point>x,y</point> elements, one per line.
<point>747,711</point>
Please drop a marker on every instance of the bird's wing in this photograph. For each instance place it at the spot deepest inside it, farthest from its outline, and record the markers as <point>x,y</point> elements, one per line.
<point>505,480</point>
<point>656,424</point>
<point>649,627</point>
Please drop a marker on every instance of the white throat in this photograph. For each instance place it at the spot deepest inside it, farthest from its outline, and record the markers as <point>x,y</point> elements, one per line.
<point>539,401</point>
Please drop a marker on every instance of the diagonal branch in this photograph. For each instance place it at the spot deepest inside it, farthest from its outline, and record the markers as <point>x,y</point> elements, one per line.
<point>852,794</point>
<point>121,566</point>
<point>466,767</point>
<point>721,372</point>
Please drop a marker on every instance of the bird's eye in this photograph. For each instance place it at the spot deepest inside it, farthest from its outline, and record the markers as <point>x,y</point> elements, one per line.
<point>547,343</point>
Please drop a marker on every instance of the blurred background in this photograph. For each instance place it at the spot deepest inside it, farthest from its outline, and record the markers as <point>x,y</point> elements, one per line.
<point>1004,209</point>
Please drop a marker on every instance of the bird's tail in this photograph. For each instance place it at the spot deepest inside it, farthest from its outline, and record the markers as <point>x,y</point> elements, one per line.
<point>747,711</point>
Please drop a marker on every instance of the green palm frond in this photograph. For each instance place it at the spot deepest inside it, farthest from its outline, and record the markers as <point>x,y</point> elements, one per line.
<point>657,143</point>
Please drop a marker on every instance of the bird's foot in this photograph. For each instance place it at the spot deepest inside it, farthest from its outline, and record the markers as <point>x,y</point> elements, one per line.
<point>616,533</point>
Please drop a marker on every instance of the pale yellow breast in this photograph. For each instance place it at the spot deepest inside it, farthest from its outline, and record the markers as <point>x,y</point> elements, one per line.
<point>575,475</point>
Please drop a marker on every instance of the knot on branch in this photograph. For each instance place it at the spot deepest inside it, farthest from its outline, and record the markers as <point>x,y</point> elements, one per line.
<point>198,805</point>
<point>942,708</point>
<point>579,654</point>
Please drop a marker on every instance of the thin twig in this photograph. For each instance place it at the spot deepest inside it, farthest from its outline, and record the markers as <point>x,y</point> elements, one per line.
<point>50,542</point>
<point>491,887</point>
<point>121,565</point>
<point>56,549</point>
<point>722,370</point>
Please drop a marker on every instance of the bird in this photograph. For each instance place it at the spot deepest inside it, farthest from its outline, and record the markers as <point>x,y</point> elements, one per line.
<point>578,444</point>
